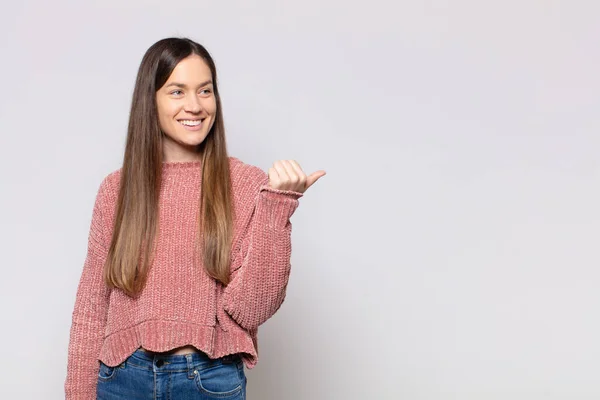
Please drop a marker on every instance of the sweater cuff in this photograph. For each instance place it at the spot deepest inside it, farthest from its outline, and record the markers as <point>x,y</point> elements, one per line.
<point>279,205</point>
<point>290,193</point>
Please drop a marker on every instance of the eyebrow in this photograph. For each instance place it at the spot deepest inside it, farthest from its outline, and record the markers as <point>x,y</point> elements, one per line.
<point>181,85</point>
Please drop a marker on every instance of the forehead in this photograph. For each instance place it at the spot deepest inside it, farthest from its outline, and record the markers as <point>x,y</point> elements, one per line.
<point>190,70</point>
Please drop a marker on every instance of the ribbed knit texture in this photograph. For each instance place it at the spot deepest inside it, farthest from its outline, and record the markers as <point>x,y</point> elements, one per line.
<point>180,304</point>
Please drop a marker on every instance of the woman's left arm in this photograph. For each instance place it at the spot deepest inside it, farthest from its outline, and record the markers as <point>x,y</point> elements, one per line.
<point>257,288</point>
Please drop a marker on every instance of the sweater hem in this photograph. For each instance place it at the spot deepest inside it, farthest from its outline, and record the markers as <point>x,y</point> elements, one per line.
<point>164,335</point>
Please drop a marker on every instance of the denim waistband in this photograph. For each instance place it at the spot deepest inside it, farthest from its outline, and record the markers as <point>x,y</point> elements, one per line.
<point>176,362</point>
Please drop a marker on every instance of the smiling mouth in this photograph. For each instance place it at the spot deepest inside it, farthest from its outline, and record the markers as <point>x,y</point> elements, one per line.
<point>190,122</point>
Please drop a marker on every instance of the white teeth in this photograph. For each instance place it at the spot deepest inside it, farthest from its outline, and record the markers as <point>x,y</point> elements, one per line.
<point>190,122</point>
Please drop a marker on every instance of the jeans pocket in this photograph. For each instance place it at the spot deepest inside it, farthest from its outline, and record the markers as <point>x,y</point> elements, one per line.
<point>106,373</point>
<point>220,379</point>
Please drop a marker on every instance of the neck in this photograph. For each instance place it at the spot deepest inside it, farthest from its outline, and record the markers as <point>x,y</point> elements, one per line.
<point>173,152</point>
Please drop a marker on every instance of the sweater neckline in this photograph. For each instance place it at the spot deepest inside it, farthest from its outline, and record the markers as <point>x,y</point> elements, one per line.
<point>168,165</point>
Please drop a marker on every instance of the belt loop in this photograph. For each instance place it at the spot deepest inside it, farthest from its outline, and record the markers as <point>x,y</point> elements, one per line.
<point>190,366</point>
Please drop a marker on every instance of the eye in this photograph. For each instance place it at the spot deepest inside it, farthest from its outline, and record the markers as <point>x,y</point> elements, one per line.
<point>206,91</point>
<point>175,92</point>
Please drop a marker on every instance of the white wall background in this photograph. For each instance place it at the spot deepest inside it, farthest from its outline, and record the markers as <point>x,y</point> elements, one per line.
<point>451,252</point>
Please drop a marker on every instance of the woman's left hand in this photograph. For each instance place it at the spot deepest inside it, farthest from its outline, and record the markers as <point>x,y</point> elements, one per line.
<point>287,175</point>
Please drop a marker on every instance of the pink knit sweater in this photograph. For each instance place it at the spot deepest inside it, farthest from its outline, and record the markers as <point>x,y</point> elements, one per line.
<point>180,304</point>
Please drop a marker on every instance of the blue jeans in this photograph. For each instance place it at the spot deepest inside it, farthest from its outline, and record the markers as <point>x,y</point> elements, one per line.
<point>192,376</point>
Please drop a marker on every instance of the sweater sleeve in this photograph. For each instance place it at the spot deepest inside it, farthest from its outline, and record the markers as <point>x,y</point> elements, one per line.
<point>90,312</point>
<point>257,288</point>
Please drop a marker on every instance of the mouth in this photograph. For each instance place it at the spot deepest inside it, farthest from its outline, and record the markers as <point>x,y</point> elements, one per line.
<point>190,122</point>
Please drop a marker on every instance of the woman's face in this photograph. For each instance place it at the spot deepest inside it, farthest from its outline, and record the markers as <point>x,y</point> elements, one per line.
<point>186,107</point>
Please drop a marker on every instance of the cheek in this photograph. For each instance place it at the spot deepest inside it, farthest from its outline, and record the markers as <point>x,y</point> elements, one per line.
<point>171,110</point>
<point>162,119</point>
<point>165,116</point>
<point>211,106</point>
<point>166,109</point>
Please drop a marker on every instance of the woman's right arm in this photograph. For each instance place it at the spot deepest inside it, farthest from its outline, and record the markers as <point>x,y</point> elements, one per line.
<point>90,311</point>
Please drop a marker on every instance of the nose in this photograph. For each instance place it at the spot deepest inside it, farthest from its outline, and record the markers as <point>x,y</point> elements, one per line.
<point>193,105</point>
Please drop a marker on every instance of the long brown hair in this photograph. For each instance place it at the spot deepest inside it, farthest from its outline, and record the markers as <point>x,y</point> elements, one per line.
<point>131,250</point>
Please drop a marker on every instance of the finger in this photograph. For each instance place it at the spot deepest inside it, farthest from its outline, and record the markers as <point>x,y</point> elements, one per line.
<point>298,170</point>
<point>289,169</point>
<point>297,177</point>
<point>274,179</point>
<point>312,178</point>
<point>283,175</point>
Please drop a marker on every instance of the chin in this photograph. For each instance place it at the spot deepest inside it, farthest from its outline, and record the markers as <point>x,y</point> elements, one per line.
<point>193,142</point>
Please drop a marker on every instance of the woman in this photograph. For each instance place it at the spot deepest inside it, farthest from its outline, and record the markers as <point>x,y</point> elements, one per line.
<point>189,249</point>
